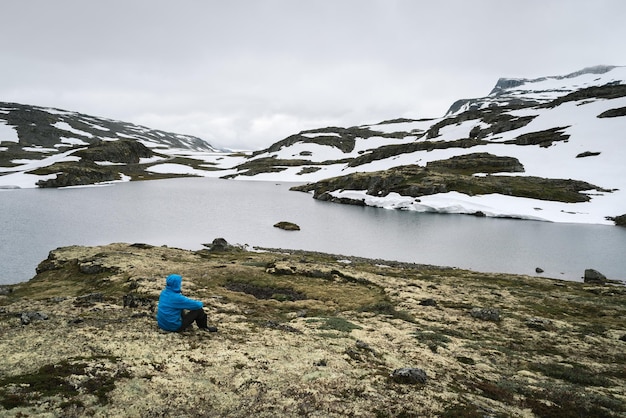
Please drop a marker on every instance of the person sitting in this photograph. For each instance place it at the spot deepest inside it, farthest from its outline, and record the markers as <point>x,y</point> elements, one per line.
<point>177,312</point>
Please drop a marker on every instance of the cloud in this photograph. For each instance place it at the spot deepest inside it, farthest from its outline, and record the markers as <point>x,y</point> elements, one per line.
<point>248,73</point>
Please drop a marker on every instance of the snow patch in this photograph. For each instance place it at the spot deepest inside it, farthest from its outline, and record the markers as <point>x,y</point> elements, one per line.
<point>8,133</point>
<point>64,126</point>
<point>72,141</point>
<point>171,168</point>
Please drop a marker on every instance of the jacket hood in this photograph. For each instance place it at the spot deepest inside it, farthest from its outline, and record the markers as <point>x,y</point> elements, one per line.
<point>174,282</point>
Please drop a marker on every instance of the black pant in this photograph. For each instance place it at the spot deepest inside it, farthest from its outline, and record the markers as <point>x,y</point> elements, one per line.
<point>198,316</point>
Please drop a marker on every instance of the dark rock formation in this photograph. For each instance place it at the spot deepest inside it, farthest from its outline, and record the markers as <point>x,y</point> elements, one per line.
<point>587,154</point>
<point>409,375</point>
<point>619,220</point>
<point>50,263</point>
<point>542,138</point>
<point>416,181</point>
<point>78,173</point>
<point>481,162</point>
<point>540,324</point>
<point>486,314</point>
<point>124,151</point>
<point>135,301</point>
<point>218,244</point>
<point>92,267</point>
<point>608,91</point>
<point>27,317</point>
<point>287,226</point>
<point>594,276</point>
<point>342,138</point>
<point>613,113</point>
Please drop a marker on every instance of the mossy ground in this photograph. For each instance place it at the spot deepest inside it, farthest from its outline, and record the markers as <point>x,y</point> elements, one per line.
<point>558,349</point>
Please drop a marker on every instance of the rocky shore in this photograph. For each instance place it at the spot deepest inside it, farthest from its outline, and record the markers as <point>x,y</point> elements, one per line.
<point>306,334</point>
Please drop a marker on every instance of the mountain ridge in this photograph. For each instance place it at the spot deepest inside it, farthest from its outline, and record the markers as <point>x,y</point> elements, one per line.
<point>561,129</point>
<point>50,147</point>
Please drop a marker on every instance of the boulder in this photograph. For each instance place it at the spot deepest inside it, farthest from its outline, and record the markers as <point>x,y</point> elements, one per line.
<point>409,375</point>
<point>486,314</point>
<point>27,317</point>
<point>287,226</point>
<point>218,244</point>
<point>594,276</point>
<point>428,302</point>
<point>134,301</point>
<point>540,324</point>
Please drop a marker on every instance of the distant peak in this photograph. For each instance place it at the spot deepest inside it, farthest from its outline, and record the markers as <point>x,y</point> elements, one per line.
<point>596,69</point>
<point>530,91</point>
<point>507,83</point>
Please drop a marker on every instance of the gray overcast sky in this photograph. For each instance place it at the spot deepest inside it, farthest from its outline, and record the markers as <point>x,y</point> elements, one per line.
<point>245,74</point>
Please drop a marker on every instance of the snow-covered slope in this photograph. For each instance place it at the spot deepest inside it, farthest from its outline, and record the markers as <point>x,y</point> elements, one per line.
<point>522,91</point>
<point>571,127</point>
<point>37,144</point>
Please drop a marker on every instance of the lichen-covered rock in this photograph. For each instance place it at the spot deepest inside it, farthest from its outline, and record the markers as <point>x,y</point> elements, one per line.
<point>27,317</point>
<point>409,375</point>
<point>486,314</point>
<point>540,324</point>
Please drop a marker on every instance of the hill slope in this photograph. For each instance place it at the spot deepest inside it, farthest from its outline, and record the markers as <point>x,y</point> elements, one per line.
<point>51,148</point>
<point>305,334</point>
<point>512,153</point>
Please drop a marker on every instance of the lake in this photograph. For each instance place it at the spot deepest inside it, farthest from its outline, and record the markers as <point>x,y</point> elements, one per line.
<point>186,213</point>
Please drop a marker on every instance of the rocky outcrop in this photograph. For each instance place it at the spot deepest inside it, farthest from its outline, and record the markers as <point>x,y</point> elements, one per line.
<point>287,226</point>
<point>482,162</point>
<point>218,245</point>
<point>620,220</point>
<point>342,138</point>
<point>542,138</point>
<point>594,276</point>
<point>486,314</point>
<point>416,181</point>
<point>87,171</point>
<point>123,151</point>
<point>77,174</point>
<point>409,375</point>
<point>588,154</point>
<point>613,113</point>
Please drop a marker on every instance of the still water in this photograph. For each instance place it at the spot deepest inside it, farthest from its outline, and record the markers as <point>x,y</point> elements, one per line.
<point>186,213</point>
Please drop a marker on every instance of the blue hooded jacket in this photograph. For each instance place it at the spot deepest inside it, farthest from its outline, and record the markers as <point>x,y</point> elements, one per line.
<point>172,303</point>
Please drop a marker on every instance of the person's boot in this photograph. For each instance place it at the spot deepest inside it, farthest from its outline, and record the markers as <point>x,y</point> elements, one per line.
<point>209,329</point>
